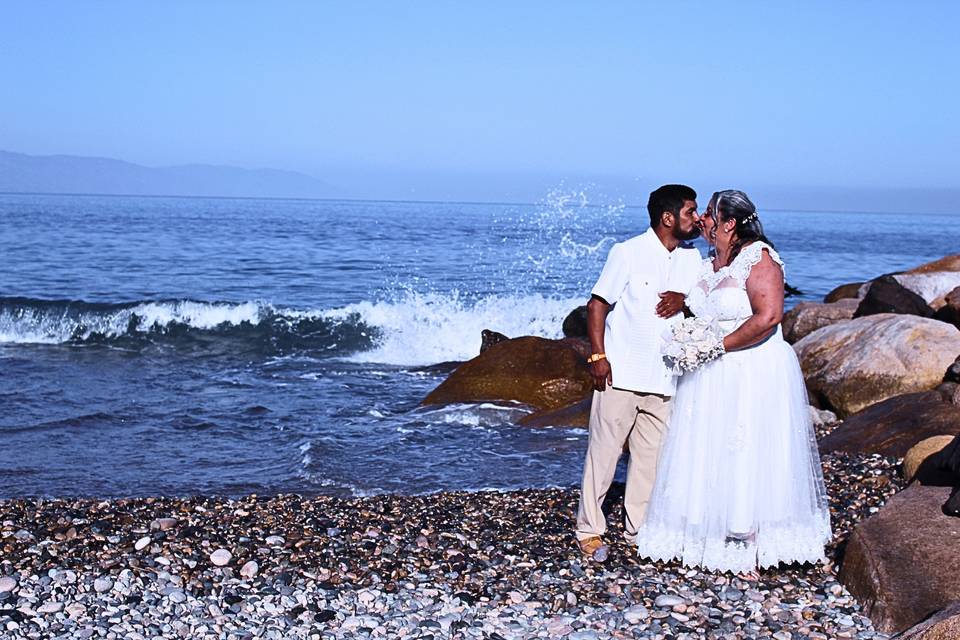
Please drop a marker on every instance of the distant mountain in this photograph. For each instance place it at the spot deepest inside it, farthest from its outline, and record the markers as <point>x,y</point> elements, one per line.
<point>22,173</point>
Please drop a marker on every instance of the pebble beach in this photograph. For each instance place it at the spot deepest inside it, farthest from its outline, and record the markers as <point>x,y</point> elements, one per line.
<point>445,565</point>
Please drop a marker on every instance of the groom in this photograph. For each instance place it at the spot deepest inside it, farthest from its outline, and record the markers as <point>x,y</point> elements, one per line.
<point>640,293</point>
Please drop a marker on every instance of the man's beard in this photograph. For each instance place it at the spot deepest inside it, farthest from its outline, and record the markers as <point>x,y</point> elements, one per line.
<point>690,235</point>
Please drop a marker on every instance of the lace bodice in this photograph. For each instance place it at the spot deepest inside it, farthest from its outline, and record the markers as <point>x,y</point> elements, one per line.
<point>722,295</point>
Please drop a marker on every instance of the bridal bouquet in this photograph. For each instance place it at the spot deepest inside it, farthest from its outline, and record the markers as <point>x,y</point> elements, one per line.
<point>691,343</point>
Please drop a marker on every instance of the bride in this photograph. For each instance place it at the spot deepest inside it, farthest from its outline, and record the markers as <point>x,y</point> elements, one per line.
<point>739,484</point>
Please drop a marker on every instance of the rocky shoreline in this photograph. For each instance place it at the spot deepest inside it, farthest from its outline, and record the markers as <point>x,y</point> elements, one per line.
<point>447,565</point>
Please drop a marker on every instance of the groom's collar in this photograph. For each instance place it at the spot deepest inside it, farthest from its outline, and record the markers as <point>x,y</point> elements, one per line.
<point>654,240</point>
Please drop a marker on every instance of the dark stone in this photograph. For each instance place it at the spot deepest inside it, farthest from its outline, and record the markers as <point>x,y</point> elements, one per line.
<point>14,615</point>
<point>325,616</point>
<point>900,564</point>
<point>844,291</point>
<point>949,457</point>
<point>489,338</point>
<point>952,506</point>
<point>943,625</point>
<point>953,372</point>
<point>886,295</point>
<point>575,324</point>
<point>949,313</point>
<point>892,426</point>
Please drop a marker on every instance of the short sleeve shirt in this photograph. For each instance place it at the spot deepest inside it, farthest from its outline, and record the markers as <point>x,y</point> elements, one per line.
<point>636,271</point>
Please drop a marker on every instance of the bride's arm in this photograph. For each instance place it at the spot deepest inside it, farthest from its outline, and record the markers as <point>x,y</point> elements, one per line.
<point>765,290</point>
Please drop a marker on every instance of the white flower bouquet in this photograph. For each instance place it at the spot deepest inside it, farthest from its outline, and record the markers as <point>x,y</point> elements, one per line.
<point>691,343</point>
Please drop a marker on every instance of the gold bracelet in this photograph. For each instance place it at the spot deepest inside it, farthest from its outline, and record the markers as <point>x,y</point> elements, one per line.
<point>596,356</point>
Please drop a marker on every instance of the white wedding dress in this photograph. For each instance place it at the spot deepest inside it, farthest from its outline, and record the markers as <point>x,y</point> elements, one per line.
<point>739,483</point>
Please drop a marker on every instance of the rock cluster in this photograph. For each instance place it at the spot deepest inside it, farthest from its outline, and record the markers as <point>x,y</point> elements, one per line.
<point>481,565</point>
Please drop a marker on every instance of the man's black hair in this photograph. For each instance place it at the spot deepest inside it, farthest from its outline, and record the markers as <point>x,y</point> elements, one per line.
<point>669,197</point>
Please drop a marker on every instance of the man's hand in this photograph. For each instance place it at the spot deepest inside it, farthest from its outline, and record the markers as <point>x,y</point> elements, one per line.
<point>671,303</point>
<point>602,374</point>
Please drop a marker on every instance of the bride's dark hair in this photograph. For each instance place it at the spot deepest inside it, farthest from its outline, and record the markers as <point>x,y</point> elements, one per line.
<point>732,204</point>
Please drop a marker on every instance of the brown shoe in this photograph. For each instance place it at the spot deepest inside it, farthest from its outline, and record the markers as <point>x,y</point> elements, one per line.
<point>593,548</point>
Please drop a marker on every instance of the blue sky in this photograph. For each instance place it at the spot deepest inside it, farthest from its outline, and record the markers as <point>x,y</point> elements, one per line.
<point>485,95</point>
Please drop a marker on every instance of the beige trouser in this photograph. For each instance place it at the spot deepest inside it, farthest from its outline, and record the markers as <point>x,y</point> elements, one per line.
<point>618,416</point>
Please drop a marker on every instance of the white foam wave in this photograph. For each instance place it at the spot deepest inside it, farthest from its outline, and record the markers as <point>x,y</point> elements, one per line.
<point>423,329</point>
<point>44,326</point>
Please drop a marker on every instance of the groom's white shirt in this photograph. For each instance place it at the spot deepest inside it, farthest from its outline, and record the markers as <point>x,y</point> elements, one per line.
<point>637,270</point>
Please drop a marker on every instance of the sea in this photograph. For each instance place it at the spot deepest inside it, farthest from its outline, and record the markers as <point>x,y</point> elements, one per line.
<point>184,346</point>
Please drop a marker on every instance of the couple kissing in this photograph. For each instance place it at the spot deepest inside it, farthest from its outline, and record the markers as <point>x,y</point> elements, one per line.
<point>724,472</point>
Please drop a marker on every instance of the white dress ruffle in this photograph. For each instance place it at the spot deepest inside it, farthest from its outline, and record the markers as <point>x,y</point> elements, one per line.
<point>739,483</point>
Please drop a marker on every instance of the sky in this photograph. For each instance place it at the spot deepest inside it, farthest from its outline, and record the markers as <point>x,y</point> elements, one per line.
<point>495,99</point>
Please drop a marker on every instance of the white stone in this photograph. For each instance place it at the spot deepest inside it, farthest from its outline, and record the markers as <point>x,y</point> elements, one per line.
<point>275,540</point>
<point>636,614</point>
<point>50,607</point>
<point>220,557</point>
<point>930,286</point>
<point>142,543</point>
<point>163,524</point>
<point>250,569</point>
<point>76,610</point>
<point>667,600</point>
<point>7,584</point>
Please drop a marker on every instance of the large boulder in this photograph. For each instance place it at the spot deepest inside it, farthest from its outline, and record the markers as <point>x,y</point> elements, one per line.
<point>933,281</point>
<point>887,295</point>
<point>546,374</point>
<point>901,564</point>
<point>890,427</point>
<point>849,291</point>
<point>807,317</point>
<point>855,363</point>
<point>943,625</point>
<point>932,287</point>
<point>947,263</point>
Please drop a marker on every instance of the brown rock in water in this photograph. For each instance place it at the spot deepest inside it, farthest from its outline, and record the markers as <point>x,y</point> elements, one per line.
<point>844,292</point>
<point>943,625</point>
<point>807,317</point>
<point>546,374</point>
<point>573,415</point>
<point>887,295</point>
<point>901,564</point>
<point>855,363</point>
<point>489,338</point>
<point>921,452</point>
<point>892,426</point>
<point>947,263</point>
<point>575,324</point>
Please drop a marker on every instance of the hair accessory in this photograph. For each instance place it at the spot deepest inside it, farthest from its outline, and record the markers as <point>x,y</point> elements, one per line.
<point>749,217</point>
